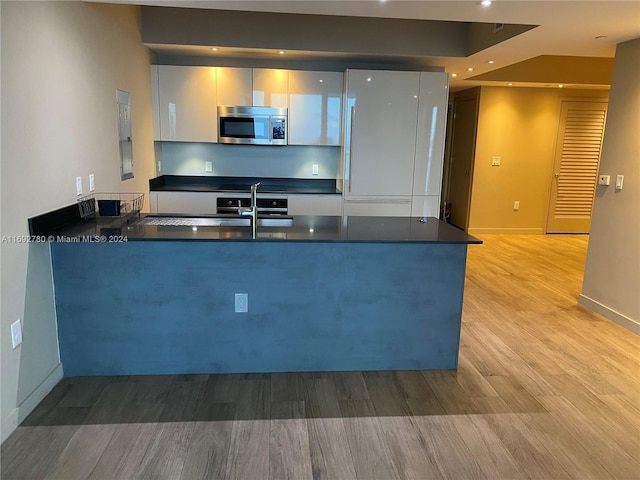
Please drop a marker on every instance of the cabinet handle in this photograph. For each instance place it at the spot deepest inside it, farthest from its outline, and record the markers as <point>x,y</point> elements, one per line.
<point>353,114</point>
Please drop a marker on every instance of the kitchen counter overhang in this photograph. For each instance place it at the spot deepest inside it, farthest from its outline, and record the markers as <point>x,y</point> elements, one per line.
<point>303,229</point>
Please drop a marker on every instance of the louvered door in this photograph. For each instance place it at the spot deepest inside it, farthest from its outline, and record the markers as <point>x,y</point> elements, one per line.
<point>577,156</point>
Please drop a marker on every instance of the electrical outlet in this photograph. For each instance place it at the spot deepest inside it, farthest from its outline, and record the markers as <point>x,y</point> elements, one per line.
<point>314,169</point>
<point>16,333</point>
<point>495,161</point>
<point>242,302</point>
<point>604,180</point>
<point>92,182</point>
<point>78,186</point>
<point>208,166</point>
<point>516,205</point>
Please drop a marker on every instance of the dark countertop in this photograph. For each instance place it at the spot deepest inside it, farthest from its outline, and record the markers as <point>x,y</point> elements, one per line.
<point>186,183</point>
<point>304,229</point>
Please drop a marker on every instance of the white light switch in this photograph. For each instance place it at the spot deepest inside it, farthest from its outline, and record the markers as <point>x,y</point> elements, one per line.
<point>314,169</point>
<point>16,333</point>
<point>208,166</point>
<point>78,185</point>
<point>92,182</point>
<point>495,161</point>
<point>604,180</point>
<point>619,180</point>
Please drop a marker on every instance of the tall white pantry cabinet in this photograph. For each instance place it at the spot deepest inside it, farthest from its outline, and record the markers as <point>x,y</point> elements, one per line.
<point>394,142</point>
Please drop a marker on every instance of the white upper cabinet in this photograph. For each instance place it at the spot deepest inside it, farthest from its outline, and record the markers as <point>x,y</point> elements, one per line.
<point>235,86</point>
<point>270,88</point>
<point>187,103</point>
<point>155,102</point>
<point>432,119</point>
<point>380,132</point>
<point>315,107</point>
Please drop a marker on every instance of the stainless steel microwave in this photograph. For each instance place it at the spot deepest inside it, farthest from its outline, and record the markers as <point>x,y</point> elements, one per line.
<point>252,125</point>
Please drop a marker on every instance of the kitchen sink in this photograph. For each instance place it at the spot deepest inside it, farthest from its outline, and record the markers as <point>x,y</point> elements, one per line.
<point>177,221</point>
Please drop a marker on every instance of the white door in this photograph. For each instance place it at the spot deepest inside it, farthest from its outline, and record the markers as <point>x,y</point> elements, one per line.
<point>380,140</point>
<point>577,156</point>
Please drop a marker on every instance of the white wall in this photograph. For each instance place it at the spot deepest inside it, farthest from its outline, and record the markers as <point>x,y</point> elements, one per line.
<point>612,273</point>
<point>61,65</point>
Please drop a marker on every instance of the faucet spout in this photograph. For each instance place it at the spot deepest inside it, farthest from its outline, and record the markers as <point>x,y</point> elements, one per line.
<point>253,210</point>
<point>254,194</point>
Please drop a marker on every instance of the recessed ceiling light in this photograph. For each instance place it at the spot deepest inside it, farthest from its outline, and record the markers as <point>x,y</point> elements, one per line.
<point>454,74</point>
<point>511,84</point>
<point>490,61</point>
<point>368,79</point>
<point>560,86</point>
<point>485,3</point>
<point>470,69</point>
<point>321,80</point>
<point>215,49</point>
<point>281,52</point>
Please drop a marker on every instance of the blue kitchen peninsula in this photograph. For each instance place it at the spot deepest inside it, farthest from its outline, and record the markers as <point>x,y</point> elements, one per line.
<point>329,293</point>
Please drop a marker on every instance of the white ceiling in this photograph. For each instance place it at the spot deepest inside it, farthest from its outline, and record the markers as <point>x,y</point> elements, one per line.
<point>565,27</point>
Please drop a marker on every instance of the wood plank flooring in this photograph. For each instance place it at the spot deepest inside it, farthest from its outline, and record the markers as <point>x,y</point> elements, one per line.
<point>545,389</point>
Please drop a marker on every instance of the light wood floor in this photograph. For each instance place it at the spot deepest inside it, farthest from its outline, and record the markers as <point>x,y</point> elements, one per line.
<point>545,390</point>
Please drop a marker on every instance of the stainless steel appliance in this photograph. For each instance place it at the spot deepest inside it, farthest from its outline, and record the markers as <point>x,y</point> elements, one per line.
<point>252,125</point>
<point>266,206</point>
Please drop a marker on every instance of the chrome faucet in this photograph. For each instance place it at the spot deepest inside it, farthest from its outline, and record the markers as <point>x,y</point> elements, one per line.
<point>253,210</point>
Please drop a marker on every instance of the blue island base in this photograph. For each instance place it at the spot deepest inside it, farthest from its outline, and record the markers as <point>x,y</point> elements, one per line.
<point>167,307</point>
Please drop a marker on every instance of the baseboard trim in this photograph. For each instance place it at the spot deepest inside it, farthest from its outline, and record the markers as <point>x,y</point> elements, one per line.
<point>41,391</point>
<point>9,424</point>
<point>610,314</point>
<point>506,231</point>
<point>21,412</point>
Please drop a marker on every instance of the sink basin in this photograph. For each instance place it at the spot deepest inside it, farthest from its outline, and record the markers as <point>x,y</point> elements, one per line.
<point>169,221</point>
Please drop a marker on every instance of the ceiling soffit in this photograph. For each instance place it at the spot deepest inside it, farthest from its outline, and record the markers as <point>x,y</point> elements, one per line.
<point>554,69</point>
<point>319,34</point>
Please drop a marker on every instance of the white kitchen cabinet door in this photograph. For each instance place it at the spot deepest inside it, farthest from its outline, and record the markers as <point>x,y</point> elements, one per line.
<point>315,205</point>
<point>378,207</point>
<point>425,206</point>
<point>270,88</point>
<point>432,120</point>
<point>155,103</point>
<point>187,103</point>
<point>235,86</point>
<point>197,203</point>
<point>153,202</point>
<point>315,107</point>
<point>380,141</point>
